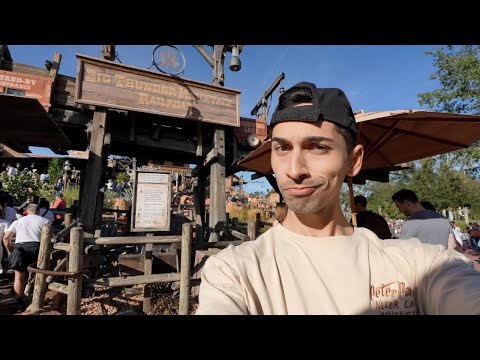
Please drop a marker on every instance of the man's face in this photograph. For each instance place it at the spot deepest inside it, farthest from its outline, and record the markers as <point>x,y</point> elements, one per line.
<point>404,207</point>
<point>310,162</point>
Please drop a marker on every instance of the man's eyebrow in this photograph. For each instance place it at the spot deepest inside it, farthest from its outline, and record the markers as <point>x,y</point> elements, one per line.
<point>306,139</point>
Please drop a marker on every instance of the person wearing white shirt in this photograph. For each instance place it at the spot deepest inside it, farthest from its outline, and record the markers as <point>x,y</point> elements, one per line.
<point>28,231</point>
<point>44,212</point>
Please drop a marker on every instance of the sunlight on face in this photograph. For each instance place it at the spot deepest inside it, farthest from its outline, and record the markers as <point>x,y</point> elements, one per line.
<point>310,162</point>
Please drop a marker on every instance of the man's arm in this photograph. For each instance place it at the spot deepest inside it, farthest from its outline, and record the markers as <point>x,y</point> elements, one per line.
<point>450,284</point>
<point>7,241</point>
<point>220,290</point>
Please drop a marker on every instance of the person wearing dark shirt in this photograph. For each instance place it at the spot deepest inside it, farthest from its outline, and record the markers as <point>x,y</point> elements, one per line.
<point>368,219</point>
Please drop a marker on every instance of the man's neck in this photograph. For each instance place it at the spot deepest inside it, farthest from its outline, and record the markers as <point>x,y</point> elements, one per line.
<point>320,224</point>
<point>416,208</point>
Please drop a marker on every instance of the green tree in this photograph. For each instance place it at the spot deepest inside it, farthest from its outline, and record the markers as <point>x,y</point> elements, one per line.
<point>20,187</point>
<point>55,168</point>
<point>458,72</point>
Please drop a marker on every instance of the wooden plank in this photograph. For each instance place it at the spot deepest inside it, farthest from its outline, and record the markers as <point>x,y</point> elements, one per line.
<point>185,263</point>
<point>75,264</point>
<point>199,139</point>
<point>108,84</point>
<point>25,69</point>
<point>252,230</point>
<point>60,266</point>
<point>147,289</point>
<point>70,117</point>
<point>137,280</point>
<point>210,159</point>
<point>61,288</point>
<point>157,130</point>
<point>217,209</point>
<point>94,170</point>
<point>162,262</point>
<point>62,246</point>
<point>199,202</point>
<point>43,263</point>
<point>132,240</point>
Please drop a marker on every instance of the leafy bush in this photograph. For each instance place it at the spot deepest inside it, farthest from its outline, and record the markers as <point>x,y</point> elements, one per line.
<point>55,169</point>
<point>20,187</point>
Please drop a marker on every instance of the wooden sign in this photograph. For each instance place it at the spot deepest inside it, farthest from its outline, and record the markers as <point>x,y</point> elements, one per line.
<point>18,84</point>
<point>251,126</point>
<point>109,84</point>
<point>151,202</point>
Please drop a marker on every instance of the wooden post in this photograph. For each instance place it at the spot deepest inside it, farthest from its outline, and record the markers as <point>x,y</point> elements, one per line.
<point>75,263</point>
<point>147,289</point>
<point>235,223</point>
<point>199,201</point>
<point>258,222</point>
<point>68,221</point>
<point>185,269</point>
<point>352,201</point>
<point>252,230</point>
<point>43,263</point>
<point>217,184</point>
<point>94,170</point>
<point>108,52</point>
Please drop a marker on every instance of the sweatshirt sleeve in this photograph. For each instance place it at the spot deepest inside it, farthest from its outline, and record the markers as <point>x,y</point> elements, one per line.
<point>220,290</point>
<point>451,284</point>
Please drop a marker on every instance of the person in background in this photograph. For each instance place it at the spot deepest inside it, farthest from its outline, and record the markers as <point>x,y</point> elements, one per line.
<point>457,233</point>
<point>59,204</point>
<point>428,226</point>
<point>368,219</point>
<point>43,210</point>
<point>28,231</point>
<point>9,213</point>
<point>4,224</point>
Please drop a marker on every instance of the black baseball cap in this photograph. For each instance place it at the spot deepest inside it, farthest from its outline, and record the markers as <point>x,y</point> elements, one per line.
<point>329,104</point>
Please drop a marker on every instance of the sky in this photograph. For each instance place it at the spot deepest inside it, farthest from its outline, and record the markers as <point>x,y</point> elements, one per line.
<point>374,78</point>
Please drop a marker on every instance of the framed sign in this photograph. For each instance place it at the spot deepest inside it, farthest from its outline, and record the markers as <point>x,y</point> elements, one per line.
<point>152,197</point>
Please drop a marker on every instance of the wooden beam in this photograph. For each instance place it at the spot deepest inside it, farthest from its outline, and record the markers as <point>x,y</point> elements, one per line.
<point>147,289</point>
<point>61,288</point>
<point>211,157</point>
<point>57,58</point>
<point>75,263</point>
<point>108,52</point>
<point>156,132</point>
<point>94,169</point>
<point>137,280</point>
<point>185,264</point>
<point>199,202</point>
<point>70,117</point>
<point>132,240</point>
<point>43,263</point>
<point>199,139</point>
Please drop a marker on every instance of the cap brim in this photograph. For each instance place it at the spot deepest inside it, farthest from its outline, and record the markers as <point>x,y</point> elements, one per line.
<point>259,160</point>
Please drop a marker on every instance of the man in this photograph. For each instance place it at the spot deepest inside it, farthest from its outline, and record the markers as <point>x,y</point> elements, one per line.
<point>316,262</point>
<point>9,213</point>
<point>368,219</point>
<point>428,226</point>
<point>28,231</point>
<point>59,204</point>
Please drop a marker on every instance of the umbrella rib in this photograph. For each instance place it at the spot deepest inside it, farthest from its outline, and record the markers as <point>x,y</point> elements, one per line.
<point>422,136</point>
<point>391,131</point>
<point>367,144</point>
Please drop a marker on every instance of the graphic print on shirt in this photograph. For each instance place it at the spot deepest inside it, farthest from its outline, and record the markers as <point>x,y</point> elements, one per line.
<point>393,298</point>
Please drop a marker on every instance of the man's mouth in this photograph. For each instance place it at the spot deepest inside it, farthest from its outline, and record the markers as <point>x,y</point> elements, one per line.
<point>300,190</point>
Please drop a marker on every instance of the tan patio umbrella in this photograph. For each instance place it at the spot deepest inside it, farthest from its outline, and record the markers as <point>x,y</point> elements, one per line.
<point>393,137</point>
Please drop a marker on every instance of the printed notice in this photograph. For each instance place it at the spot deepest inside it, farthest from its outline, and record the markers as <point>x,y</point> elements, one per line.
<point>152,203</point>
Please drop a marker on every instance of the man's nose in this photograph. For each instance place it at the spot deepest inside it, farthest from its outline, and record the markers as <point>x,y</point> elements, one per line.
<point>297,165</point>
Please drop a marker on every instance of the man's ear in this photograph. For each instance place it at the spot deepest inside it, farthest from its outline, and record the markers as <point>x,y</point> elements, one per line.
<point>356,161</point>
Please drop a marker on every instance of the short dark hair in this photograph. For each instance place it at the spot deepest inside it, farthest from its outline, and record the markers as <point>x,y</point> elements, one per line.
<point>404,195</point>
<point>299,95</point>
<point>360,199</point>
<point>428,205</point>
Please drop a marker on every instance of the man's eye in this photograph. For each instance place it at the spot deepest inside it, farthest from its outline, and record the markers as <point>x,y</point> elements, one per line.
<point>281,148</point>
